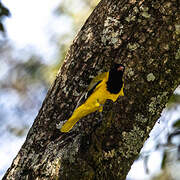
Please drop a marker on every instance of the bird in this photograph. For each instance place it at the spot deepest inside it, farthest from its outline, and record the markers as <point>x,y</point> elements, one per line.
<point>107,85</point>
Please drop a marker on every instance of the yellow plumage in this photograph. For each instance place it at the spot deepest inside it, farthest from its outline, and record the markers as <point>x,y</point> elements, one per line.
<point>94,102</point>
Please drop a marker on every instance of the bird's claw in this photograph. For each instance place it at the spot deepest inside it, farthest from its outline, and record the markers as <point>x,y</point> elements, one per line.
<point>99,105</point>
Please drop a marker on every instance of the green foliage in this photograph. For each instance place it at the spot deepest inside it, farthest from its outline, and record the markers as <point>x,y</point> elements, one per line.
<point>23,74</point>
<point>174,100</point>
<point>164,160</point>
<point>17,131</point>
<point>177,124</point>
<point>4,12</point>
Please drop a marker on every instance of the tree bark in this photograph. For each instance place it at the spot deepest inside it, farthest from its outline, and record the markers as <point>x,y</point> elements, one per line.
<point>145,37</point>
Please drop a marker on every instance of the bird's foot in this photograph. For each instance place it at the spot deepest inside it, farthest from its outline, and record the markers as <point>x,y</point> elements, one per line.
<point>98,104</point>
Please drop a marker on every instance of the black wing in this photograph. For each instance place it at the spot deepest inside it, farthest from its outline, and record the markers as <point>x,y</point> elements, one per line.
<point>86,95</point>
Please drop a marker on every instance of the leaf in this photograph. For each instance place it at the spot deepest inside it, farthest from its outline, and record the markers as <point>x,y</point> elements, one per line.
<point>4,12</point>
<point>174,99</point>
<point>164,160</point>
<point>177,124</point>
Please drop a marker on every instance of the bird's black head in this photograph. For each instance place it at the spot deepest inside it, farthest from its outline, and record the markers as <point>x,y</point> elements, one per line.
<point>117,68</point>
<point>115,82</point>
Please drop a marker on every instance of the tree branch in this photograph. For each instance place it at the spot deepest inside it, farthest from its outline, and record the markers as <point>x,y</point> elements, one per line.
<point>142,35</point>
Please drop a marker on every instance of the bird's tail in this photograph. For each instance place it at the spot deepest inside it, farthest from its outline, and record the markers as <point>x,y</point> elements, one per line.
<point>69,124</point>
<point>79,113</point>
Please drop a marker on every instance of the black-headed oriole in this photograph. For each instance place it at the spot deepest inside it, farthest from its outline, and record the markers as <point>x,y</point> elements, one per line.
<point>108,85</point>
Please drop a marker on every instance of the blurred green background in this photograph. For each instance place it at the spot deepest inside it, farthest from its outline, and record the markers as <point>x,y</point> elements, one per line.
<point>34,38</point>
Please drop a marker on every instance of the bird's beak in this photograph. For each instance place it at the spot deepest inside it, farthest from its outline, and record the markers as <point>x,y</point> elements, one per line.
<point>120,68</point>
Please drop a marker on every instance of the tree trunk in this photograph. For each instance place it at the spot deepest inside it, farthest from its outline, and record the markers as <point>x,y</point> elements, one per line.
<point>145,37</point>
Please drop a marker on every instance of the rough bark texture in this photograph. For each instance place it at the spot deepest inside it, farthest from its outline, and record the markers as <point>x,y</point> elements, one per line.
<point>145,37</point>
